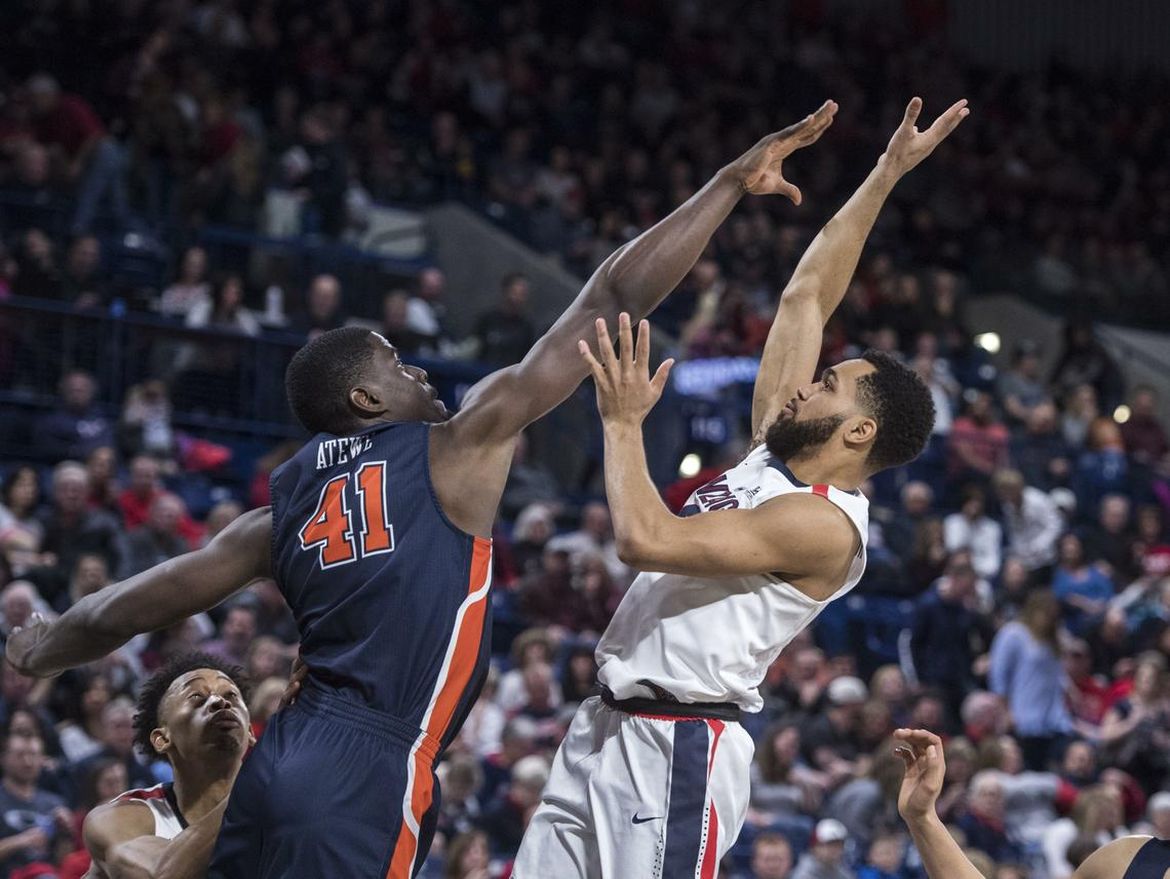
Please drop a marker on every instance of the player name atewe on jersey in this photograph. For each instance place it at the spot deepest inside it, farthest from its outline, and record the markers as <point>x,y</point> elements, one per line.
<point>332,452</point>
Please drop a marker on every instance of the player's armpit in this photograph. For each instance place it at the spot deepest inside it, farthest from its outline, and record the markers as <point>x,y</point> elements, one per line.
<point>805,538</point>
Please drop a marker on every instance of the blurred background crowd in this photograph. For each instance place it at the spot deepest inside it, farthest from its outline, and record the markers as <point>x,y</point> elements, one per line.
<point>1017,599</point>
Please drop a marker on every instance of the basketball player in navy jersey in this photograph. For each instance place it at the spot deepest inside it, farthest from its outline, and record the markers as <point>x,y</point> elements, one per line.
<point>379,537</point>
<point>1131,857</point>
<point>192,713</point>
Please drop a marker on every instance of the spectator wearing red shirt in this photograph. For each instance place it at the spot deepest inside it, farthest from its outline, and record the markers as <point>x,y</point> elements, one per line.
<point>68,126</point>
<point>978,441</point>
<point>145,486</point>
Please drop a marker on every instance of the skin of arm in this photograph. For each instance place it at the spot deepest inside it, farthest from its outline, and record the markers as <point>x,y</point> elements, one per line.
<point>471,453</point>
<point>820,541</point>
<point>922,753</point>
<point>155,599</point>
<point>823,273</point>
<point>120,836</point>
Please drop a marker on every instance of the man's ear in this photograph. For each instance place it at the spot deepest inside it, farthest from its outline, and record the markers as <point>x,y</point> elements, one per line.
<point>861,430</point>
<point>366,401</point>
<point>160,741</point>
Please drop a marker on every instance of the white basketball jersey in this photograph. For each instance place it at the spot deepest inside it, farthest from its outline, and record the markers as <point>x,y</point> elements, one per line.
<point>713,639</point>
<point>160,799</point>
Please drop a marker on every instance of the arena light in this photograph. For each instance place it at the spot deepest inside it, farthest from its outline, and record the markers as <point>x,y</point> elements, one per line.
<point>989,342</point>
<point>1121,414</point>
<point>690,466</point>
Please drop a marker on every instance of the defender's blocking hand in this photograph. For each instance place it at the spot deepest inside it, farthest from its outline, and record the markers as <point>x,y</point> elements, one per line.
<point>759,170</point>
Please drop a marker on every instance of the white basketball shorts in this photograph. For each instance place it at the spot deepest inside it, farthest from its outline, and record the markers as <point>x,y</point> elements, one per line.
<point>634,795</point>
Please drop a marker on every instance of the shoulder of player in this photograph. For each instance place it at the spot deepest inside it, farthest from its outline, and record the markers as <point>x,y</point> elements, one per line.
<point>116,822</point>
<point>1110,861</point>
<point>808,512</point>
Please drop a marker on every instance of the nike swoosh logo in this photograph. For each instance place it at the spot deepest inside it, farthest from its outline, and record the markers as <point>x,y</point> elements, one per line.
<point>638,820</point>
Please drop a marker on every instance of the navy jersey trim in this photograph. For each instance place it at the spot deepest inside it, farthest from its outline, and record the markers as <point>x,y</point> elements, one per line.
<point>776,464</point>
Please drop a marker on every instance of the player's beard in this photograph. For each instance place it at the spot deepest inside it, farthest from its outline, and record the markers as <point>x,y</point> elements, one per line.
<point>791,440</point>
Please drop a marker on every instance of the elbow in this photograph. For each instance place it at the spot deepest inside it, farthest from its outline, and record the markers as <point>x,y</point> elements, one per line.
<point>633,552</point>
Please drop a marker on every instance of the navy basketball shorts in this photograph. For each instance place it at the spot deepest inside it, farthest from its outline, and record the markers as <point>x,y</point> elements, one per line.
<point>333,789</point>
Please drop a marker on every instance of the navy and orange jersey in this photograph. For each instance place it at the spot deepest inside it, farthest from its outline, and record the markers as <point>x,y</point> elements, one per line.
<point>391,599</point>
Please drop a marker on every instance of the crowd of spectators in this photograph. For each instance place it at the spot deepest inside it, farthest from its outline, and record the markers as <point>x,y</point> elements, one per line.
<point>576,128</point>
<point>1017,599</point>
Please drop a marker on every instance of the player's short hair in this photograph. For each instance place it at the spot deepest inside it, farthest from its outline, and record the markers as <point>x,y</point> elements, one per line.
<point>150,697</point>
<point>900,402</point>
<point>321,375</point>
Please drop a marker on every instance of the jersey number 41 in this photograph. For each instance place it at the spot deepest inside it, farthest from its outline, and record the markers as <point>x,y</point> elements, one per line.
<point>331,528</point>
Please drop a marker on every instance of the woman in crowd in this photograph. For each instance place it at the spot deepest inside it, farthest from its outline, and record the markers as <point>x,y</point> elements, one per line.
<point>1026,672</point>
<point>1084,589</point>
<point>1135,734</point>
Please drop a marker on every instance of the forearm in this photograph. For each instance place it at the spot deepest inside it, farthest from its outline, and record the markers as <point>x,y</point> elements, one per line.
<point>824,272</point>
<point>639,274</point>
<point>102,622</point>
<point>941,855</point>
<point>635,505</point>
<point>189,853</point>
<point>186,856</point>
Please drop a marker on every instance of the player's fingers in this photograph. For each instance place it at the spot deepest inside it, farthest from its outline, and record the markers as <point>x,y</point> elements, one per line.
<point>658,383</point>
<point>949,121</point>
<point>625,341</point>
<point>594,367</point>
<point>790,191</point>
<point>912,111</point>
<point>919,738</point>
<point>821,120</point>
<point>642,351</point>
<point>605,352</point>
<point>906,755</point>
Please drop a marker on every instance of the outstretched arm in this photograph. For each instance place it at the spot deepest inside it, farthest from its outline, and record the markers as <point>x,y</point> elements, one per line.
<point>123,845</point>
<point>635,278</point>
<point>163,596</point>
<point>819,542</point>
<point>823,274</point>
<point>474,448</point>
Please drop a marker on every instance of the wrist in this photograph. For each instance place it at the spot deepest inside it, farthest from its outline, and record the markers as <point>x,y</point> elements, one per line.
<point>926,822</point>
<point>622,428</point>
<point>887,171</point>
<point>731,176</point>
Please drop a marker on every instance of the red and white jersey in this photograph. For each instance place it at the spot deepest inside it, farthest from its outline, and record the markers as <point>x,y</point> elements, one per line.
<point>713,639</point>
<point>160,799</point>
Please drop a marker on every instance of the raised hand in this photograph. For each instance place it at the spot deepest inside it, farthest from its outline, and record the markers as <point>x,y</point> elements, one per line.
<point>759,170</point>
<point>909,146</point>
<point>625,390</point>
<point>922,752</point>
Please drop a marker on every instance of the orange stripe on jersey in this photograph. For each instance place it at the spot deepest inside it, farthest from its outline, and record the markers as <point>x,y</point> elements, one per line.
<point>467,644</point>
<point>421,797</point>
<point>456,676</point>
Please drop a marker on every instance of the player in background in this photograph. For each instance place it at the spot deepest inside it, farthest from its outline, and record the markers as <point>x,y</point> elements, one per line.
<point>379,538</point>
<point>652,777</point>
<point>1131,857</point>
<point>192,712</point>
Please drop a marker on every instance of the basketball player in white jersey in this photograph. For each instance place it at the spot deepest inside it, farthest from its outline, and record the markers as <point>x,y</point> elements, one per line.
<point>192,713</point>
<point>652,778</point>
<point>1130,857</point>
